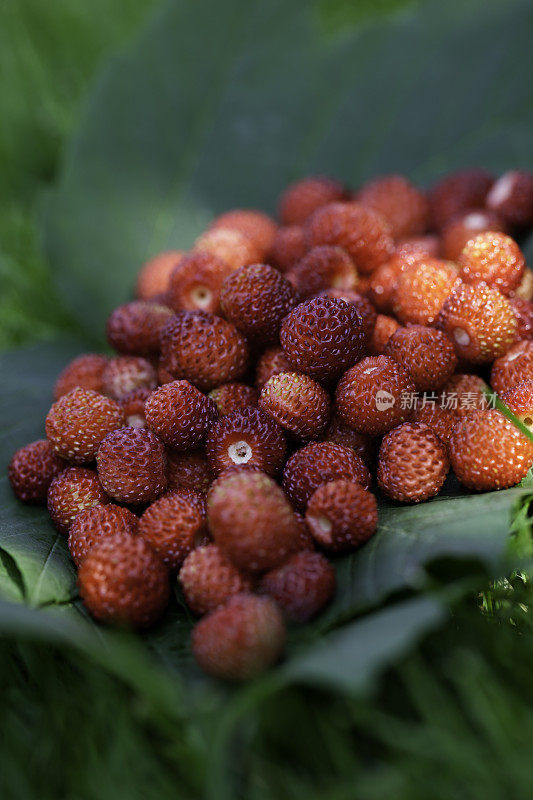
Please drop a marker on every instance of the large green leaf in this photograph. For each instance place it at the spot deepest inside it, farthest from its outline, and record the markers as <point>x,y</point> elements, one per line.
<point>220,104</point>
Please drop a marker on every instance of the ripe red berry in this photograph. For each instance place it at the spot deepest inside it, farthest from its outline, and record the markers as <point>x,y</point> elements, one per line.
<point>405,207</point>
<point>123,374</point>
<point>525,290</point>
<point>466,226</point>
<point>180,415</point>
<point>511,196</point>
<point>246,437</point>
<point>460,191</point>
<point>302,586</point>
<point>70,492</point>
<point>78,421</point>
<point>132,406</point>
<point>342,516</point>
<point>480,322</point>
<point>513,367</point>
<point>123,582</point>
<point>370,397</point>
<point>288,247</point>
<point>339,433</point>
<point>323,337</point>
<point>232,397</point>
<point>318,463</point>
<point>188,471</point>
<point>208,579</point>
<point>135,328</point>
<point>493,258</point>
<point>523,311</point>
<point>152,280</point>
<point>427,354</point>
<point>441,420</point>
<point>32,470</point>
<point>464,393</point>
<point>84,372</point>
<point>519,400</point>
<point>323,267</point>
<point>302,198</point>
<point>232,246</point>
<point>196,281</point>
<point>363,233</point>
<point>428,245</point>
<point>422,289</point>
<point>131,465</point>
<point>241,639</point>
<point>362,305</point>
<point>297,403</point>
<point>252,521</point>
<point>204,349</point>
<point>174,525</point>
<point>93,524</point>
<point>383,330</point>
<point>255,299</point>
<point>487,451</point>
<point>412,463</point>
<point>257,225</point>
<point>272,362</point>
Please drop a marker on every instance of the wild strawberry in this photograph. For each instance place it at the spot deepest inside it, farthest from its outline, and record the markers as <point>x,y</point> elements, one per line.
<point>180,415</point>
<point>123,374</point>
<point>135,328</point>
<point>195,282</point>
<point>422,289</point>
<point>441,420</point>
<point>235,248</point>
<point>487,451</point>
<point>297,403</point>
<point>525,289</point>
<point>519,400</point>
<point>412,463</point>
<point>318,463</point>
<point>513,367</point>
<point>362,305</point>
<point>323,337</point>
<point>272,362</point>
<point>174,525</point>
<point>153,278</point>
<point>70,492</point>
<point>204,349</point>
<point>383,330</point>
<point>370,396</point>
<point>511,196</point>
<point>302,586</point>
<point>132,405</point>
<point>405,207</point>
<point>339,433</point>
<point>255,299</point>
<point>323,268</point>
<point>479,321</point>
<point>232,397</point>
<point>84,372</point>
<point>288,247</point>
<point>363,233</point>
<point>93,524</point>
<point>208,579</point>
<point>246,437</point>
<point>32,470</point>
<point>428,245</point>
<point>342,516</point>
<point>523,311</point>
<point>123,582</point>
<point>383,281</point>
<point>464,393</point>
<point>252,521</point>
<point>306,538</point>
<point>302,198</point>
<point>131,465</point>
<point>188,471</point>
<point>259,227</point>
<point>493,258</point>
<point>241,639</point>
<point>466,226</point>
<point>77,423</point>
<point>460,191</point>
<point>427,354</point>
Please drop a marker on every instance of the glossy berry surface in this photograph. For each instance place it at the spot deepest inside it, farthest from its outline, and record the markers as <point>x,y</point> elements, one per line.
<point>188,471</point>
<point>302,586</point>
<point>493,258</point>
<point>180,415</point>
<point>232,397</point>
<point>511,196</point>
<point>412,463</point>
<point>296,402</point>
<point>405,207</point>
<point>246,437</point>
<point>208,579</point>
<point>72,491</point>
<point>422,289</point>
<point>131,465</point>
<point>342,516</point>
<point>441,420</point>
<point>427,354</point>
<point>196,281</point>
<point>32,470</point>
<point>96,523</point>
<point>173,525</point>
<point>513,367</point>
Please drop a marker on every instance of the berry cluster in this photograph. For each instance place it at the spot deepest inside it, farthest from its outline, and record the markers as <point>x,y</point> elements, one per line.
<point>264,379</point>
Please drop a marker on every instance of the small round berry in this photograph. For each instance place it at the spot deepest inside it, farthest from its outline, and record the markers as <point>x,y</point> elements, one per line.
<point>79,421</point>
<point>131,465</point>
<point>135,328</point>
<point>342,516</point>
<point>513,367</point>
<point>232,246</point>
<point>257,225</point>
<point>153,278</point>
<point>339,433</point>
<point>241,639</point>
<point>32,470</point>
<point>441,420</point>
<point>302,198</point>
<point>297,403</point>
<point>458,192</point>
<point>525,290</point>
<point>422,289</point>
<point>428,245</point>
<point>466,226</point>
<point>383,329</point>
<point>188,471</point>
<point>93,524</point>
<point>519,400</point>
<point>493,258</point>
<point>405,207</point>
<point>363,233</point>
<point>180,415</point>
<point>288,247</point>
<point>323,337</point>
<point>362,305</point>
<point>255,299</point>
<point>464,393</point>
<point>246,437</point>
<point>302,586</point>
<point>272,362</point>
<point>427,354</point>
<point>383,281</point>
<point>523,311</point>
<point>196,281</point>
<point>123,582</point>
<point>487,451</point>
<point>511,196</point>
<point>84,372</point>
<point>323,267</point>
<point>208,579</point>
<point>480,322</point>
<point>72,491</point>
<point>132,405</point>
<point>204,349</point>
<point>252,521</point>
<point>174,525</point>
<point>232,397</point>
<point>412,463</point>
<point>123,374</point>
<point>370,396</point>
<point>318,463</point>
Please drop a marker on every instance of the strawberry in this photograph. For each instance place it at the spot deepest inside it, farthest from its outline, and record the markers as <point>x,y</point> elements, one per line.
<point>520,400</point>
<point>513,367</point>
<point>131,465</point>
<point>93,524</point>
<point>232,397</point>
<point>173,525</point>
<point>84,372</point>
<point>324,267</point>
<point>246,437</point>
<point>466,226</point>
<point>272,362</point>
<point>180,415</point>
<point>133,407</point>
<point>230,245</point>
<point>405,207</point>
<point>297,403</point>
<point>188,471</point>
<point>493,258</point>
<point>511,196</point>
<point>383,330</point>
<point>259,227</point>
<point>301,199</point>
<point>302,586</point>
<point>72,491</point>
<point>153,278</point>
<point>32,470</point>
<point>342,516</point>
<point>412,463</point>
<point>441,420</point>
<point>362,305</point>
<point>427,354</point>
<point>123,374</point>
<point>463,394</point>
<point>196,281</point>
<point>458,192</point>
<point>288,247</point>
<point>523,311</point>
<point>422,289</point>
<point>135,328</point>
<point>339,433</point>
<point>208,579</point>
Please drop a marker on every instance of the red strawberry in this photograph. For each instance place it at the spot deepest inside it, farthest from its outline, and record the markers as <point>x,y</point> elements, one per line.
<point>272,362</point>
<point>124,374</point>
<point>135,328</point>
<point>174,525</point>
<point>246,437</point>
<point>339,433</point>
<point>131,465</point>
<point>32,470</point>
<point>441,420</point>
<point>362,305</point>
<point>232,397</point>
<point>302,586</point>
<point>412,464</point>
<point>196,281</point>
<point>208,579</point>
<point>297,403</point>
<point>427,354</point>
<point>288,247</point>
<point>383,330</point>
<point>255,224</point>
<point>133,404</point>
<point>342,516</point>
<point>405,207</point>
<point>188,471</point>
<point>93,524</point>
<point>422,289</point>
<point>153,278</point>
<point>323,267</point>
<point>513,367</point>
<point>460,191</point>
<point>493,258</point>
<point>85,372</point>
<point>180,415</point>
<point>72,491</point>
<point>511,196</point>
<point>520,400</point>
<point>466,226</point>
<point>302,198</point>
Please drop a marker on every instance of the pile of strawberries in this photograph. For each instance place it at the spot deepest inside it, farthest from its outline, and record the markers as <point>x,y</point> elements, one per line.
<point>263,379</point>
